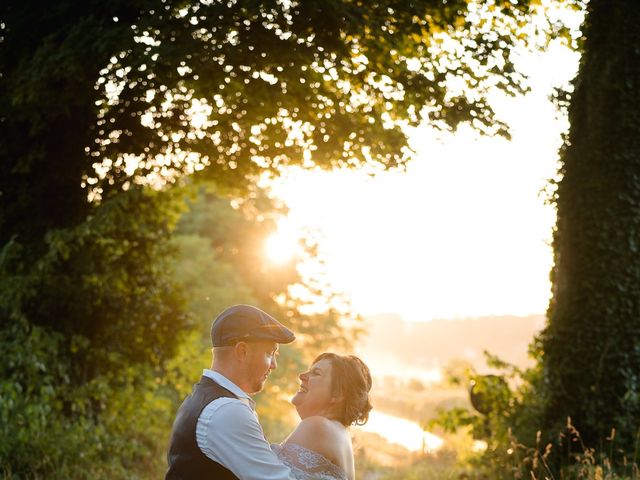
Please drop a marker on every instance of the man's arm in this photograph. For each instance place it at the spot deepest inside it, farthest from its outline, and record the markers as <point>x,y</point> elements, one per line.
<point>229,433</point>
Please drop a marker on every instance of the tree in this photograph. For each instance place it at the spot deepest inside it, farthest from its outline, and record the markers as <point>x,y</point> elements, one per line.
<point>591,359</point>
<point>86,330</point>
<point>99,95</point>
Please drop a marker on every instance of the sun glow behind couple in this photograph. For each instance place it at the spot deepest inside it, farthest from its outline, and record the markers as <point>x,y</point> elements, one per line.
<point>464,231</point>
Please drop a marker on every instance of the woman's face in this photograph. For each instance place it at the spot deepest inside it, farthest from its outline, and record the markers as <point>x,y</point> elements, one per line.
<point>314,397</point>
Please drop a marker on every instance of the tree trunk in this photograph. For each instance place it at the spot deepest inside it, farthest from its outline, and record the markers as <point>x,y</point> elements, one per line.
<point>591,347</point>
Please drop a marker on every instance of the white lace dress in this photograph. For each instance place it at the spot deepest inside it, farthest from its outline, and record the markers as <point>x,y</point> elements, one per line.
<point>306,464</point>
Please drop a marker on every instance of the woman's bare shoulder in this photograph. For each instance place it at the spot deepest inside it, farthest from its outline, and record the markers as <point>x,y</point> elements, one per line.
<point>318,422</point>
<point>314,428</point>
<point>322,435</point>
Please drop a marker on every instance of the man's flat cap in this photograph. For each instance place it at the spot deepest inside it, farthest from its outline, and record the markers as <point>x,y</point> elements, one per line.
<point>244,323</point>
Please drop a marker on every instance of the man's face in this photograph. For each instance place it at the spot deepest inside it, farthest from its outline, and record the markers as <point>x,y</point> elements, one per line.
<point>261,359</point>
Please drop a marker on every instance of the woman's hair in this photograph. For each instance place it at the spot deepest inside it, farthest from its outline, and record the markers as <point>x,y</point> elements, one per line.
<point>351,381</point>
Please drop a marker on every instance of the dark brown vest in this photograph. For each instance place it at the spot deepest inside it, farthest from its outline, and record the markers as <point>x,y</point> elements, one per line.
<point>186,460</point>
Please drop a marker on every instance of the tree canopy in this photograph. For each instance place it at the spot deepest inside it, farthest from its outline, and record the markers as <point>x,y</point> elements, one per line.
<point>97,96</point>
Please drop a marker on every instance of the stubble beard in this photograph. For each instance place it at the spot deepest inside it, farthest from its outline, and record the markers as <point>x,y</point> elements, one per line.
<point>259,385</point>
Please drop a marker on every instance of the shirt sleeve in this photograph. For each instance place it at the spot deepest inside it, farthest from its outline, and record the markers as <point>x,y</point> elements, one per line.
<point>228,432</point>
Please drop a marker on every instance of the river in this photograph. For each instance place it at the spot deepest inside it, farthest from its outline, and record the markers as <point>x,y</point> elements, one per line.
<point>402,432</point>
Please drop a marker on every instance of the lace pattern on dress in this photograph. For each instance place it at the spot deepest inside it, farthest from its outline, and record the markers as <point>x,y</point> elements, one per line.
<point>307,464</point>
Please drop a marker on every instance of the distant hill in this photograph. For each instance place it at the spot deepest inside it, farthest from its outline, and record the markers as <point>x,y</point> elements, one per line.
<point>395,347</point>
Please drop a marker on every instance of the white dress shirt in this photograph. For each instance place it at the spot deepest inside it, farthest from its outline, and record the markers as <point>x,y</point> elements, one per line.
<point>228,432</point>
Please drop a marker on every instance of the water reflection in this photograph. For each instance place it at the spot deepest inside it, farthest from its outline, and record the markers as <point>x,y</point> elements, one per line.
<point>402,432</point>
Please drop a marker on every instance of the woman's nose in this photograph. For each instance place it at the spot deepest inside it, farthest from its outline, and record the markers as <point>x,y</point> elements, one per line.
<point>303,376</point>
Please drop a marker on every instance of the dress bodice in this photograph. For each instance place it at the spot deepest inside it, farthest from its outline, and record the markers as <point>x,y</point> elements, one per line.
<point>307,464</point>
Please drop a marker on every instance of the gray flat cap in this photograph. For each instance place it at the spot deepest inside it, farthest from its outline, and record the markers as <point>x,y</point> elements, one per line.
<point>244,323</point>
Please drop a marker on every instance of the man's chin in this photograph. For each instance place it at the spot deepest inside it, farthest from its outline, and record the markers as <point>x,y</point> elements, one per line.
<point>258,387</point>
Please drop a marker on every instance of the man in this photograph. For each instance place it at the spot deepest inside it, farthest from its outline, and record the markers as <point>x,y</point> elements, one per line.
<point>216,434</point>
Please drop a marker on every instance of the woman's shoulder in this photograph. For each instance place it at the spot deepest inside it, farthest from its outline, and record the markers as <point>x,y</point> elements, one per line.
<point>320,424</point>
<point>322,435</point>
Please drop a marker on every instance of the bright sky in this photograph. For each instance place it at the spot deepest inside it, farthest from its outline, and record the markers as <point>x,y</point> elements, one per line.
<point>463,232</point>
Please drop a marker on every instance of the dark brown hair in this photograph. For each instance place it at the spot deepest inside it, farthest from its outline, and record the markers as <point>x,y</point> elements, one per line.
<point>350,380</point>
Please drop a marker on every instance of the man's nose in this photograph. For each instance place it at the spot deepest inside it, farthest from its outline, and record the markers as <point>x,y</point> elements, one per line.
<point>274,363</point>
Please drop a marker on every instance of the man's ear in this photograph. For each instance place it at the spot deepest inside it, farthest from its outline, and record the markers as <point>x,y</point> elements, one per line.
<point>241,350</point>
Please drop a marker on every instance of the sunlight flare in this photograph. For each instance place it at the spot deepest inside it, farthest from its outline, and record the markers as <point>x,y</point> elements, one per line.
<point>283,245</point>
<point>278,249</point>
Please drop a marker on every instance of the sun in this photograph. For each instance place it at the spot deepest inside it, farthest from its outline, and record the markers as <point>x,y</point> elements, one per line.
<point>282,246</point>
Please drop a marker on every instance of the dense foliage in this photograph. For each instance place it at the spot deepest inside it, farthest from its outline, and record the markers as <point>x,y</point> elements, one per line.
<point>508,416</point>
<point>86,328</point>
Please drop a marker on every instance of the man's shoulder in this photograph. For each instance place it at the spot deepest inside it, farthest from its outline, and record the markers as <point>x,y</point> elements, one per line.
<point>225,406</point>
<point>226,417</point>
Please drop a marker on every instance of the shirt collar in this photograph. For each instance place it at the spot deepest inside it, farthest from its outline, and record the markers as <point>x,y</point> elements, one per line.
<point>229,385</point>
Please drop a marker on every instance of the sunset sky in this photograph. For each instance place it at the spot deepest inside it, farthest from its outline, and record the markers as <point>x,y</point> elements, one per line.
<point>464,231</point>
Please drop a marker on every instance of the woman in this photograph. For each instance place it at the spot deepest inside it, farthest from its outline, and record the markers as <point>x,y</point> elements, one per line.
<point>333,394</point>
